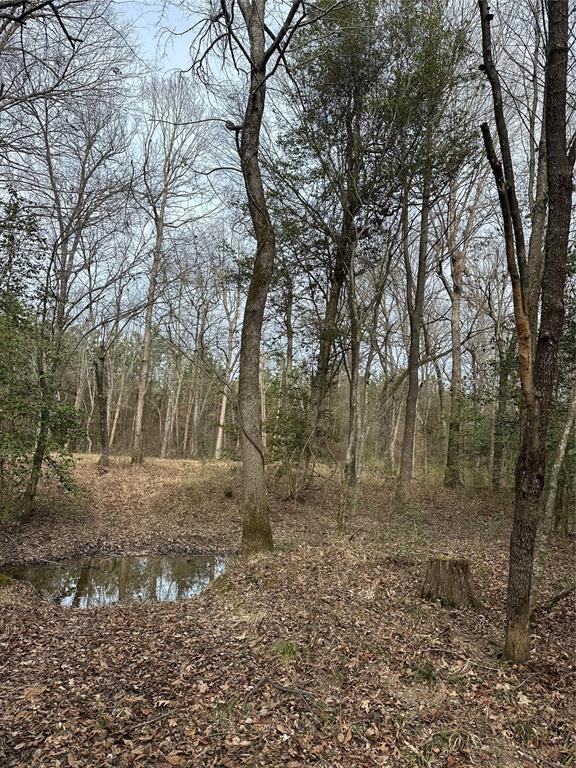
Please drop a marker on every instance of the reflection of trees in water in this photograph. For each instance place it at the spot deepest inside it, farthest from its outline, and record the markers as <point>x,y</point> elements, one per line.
<point>99,581</point>
<point>82,585</point>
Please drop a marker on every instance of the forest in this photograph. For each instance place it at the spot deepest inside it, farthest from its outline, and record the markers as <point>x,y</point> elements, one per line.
<point>287,383</point>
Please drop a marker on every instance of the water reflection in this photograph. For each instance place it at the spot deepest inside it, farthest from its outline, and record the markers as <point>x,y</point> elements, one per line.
<point>103,580</point>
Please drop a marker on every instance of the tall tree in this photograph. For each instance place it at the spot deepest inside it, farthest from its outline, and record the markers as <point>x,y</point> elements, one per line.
<point>432,148</point>
<point>537,371</point>
<point>460,223</point>
<point>101,379</point>
<point>341,126</point>
<point>263,50</point>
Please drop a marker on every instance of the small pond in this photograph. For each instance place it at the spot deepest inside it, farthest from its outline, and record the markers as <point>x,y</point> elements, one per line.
<point>97,581</point>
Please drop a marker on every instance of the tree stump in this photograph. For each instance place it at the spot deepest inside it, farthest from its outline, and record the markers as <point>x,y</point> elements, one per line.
<point>450,581</point>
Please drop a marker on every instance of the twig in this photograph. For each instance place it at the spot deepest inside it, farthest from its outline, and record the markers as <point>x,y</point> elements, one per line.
<point>302,692</point>
<point>143,723</point>
<point>558,597</point>
<point>464,658</point>
<point>539,759</point>
<point>259,684</point>
<point>444,631</point>
<point>523,682</point>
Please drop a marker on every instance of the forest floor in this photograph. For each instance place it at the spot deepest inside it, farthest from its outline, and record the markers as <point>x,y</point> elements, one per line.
<point>319,654</point>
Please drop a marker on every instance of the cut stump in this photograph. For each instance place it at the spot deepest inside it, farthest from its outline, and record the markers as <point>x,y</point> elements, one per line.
<point>449,580</point>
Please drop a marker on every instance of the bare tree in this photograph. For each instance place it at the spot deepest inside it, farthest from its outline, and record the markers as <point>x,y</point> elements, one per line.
<point>77,182</point>
<point>462,214</point>
<point>231,304</point>
<point>415,295</point>
<point>263,50</point>
<point>171,146</point>
<point>101,377</point>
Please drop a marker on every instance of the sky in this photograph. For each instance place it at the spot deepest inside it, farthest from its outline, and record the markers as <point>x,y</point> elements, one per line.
<point>153,25</point>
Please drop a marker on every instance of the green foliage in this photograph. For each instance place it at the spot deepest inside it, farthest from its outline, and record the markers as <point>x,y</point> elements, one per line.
<point>427,52</point>
<point>24,401</point>
<point>18,388</point>
<point>20,256</point>
<point>289,426</point>
<point>423,672</point>
<point>224,710</point>
<point>5,581</point>
<point>285,649</point>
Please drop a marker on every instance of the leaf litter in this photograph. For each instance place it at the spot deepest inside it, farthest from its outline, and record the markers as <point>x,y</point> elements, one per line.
<point>319,654</point>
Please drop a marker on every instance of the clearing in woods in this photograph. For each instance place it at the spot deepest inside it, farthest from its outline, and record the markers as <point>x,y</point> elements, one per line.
<point>321,653</point>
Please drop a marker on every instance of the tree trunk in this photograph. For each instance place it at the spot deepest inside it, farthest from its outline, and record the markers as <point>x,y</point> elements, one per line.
<point>102,399</point>
<point>221,423</point>
<point>565,517</point>
<point>549,508</point>
<point>263,409</point>
<point>119,399</point>
<point>452,477</point>
<point>37,461</point>
<point>530,468</point>
<point>170,403</point>
<point>42,436</point>
<point>354,412</point>
<point>138,444</point>
<point>189,405</point>
<point>363,426</point>
<point>538,210</point>
<point>256,530</point>
<point>449,580</point>
<point>343,263</point>
<point>319,384</point>
<point>500,415</point>
<point>195,431</point>
<point>289,342</point>
<point>415,310</point>
<point>230,362</point>
<point>349,497</point>
<point>82,380</point>
<point>395,421</point>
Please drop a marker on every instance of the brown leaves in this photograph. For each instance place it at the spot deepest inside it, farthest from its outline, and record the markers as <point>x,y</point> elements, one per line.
<point>33,692</point>
<point>320,656</point>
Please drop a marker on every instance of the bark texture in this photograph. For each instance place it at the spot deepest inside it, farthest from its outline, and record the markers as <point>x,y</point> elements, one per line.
<point>415,299</point>
<point>100,375</point>
<point>256,530</point>
<point>530,468</point>
<point>449,580</point>
<point>538,371</point>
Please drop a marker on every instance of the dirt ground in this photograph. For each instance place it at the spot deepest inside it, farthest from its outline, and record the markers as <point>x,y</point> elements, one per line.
<point>319,654</point>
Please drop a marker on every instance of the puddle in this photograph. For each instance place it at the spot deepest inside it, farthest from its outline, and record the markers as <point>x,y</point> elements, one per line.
<point>97,581</point>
